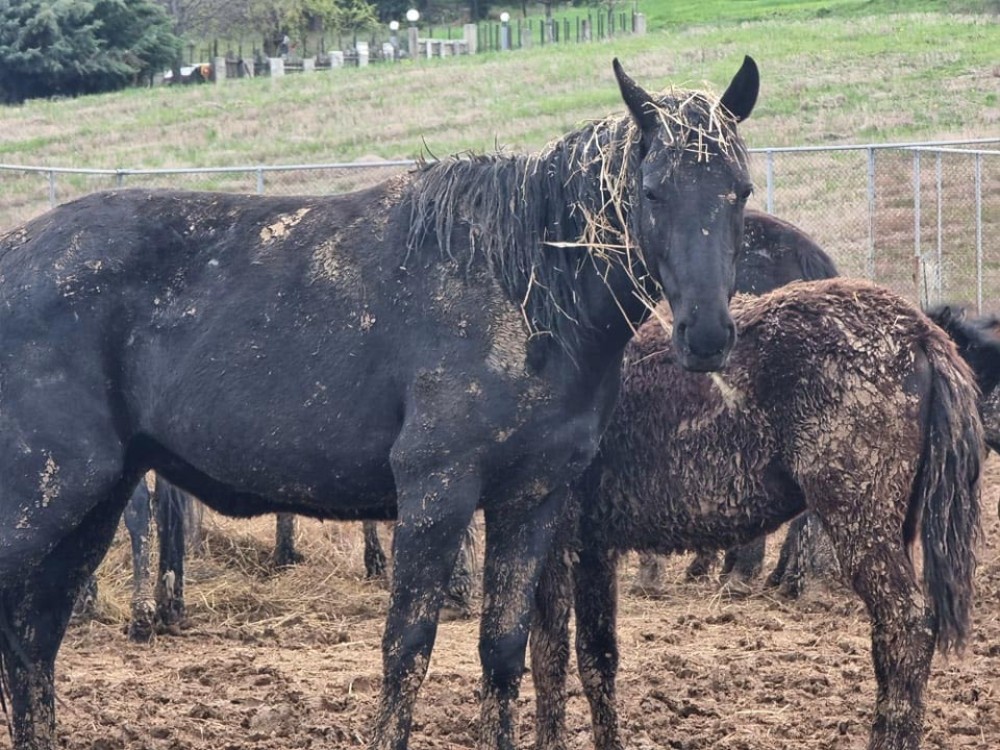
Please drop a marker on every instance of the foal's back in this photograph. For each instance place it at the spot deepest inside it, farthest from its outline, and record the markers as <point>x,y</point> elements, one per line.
<point>822,374</point>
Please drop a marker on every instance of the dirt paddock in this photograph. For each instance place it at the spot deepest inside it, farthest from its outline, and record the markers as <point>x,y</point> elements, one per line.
<point>290,659</point>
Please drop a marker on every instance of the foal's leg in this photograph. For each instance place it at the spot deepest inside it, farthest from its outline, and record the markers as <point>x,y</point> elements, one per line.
<point>285,553</point>
<point>458,594</point>
<point>375,562</point>
<point>902,636</point>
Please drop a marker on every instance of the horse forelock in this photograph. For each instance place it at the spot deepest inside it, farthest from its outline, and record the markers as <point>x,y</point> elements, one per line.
<point>695,122</point>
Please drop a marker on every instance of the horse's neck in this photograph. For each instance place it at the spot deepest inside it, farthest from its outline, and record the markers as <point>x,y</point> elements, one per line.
<point>609,310</point>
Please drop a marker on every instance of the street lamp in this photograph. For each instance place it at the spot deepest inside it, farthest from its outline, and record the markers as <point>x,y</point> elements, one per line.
<point>505,31</point>
<point>394,38</point>
<point>412,15</point>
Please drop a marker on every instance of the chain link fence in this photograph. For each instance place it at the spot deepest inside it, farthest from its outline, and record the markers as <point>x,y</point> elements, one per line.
<point>921,218</point>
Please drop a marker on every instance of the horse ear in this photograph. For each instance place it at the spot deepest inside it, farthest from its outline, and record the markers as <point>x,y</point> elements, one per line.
<point>742,92</point>
<point>639,103</point>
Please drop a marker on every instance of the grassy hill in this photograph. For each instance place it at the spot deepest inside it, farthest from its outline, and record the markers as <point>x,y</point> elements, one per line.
<point>843,77</point>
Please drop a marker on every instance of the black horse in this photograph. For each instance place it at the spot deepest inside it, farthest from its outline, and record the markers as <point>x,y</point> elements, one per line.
<point>447,340</point>
<point>842,399</point>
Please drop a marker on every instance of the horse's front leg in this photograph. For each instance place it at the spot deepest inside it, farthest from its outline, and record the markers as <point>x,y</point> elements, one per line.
<point>596,606</point>
<point>436,504</point>
<point>518,541</point>
<point>549,641</point>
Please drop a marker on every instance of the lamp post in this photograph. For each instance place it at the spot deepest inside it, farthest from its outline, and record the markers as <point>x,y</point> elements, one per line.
<point>505,31</point>
<point>412,16</point>
<point>394,39</point>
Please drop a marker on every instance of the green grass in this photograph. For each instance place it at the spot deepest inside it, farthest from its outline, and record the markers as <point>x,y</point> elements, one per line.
<point>842,78</point>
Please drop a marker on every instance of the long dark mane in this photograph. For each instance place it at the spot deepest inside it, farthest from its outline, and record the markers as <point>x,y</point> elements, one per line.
<point>537,220</point>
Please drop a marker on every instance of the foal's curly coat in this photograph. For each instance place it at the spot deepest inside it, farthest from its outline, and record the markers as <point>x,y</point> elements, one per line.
<point>841,398</point>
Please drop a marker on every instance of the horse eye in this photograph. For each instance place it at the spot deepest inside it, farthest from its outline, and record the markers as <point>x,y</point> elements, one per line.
<point>649,195</point>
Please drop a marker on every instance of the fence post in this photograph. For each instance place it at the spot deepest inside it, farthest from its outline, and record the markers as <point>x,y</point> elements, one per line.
<point>52,189</point>
<point>979,233</point>
<point>916,225</point>
<point>260,181</point>
<point>938,272</point>
<point>769,161</point>
<point>871,213</point>
<point>471,38</point>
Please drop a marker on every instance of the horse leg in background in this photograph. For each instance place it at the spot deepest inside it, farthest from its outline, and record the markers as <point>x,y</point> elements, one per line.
<point>171,520</point>
<point>375,562</point>
<point>649,578</point>
<point>458,594</point>
<point>85,606</point>
<point>744,562</point>
<point>702,564</point>
<point>36,600</point>
<point>285,553</point>
<point>807,550</point>
<point>788,567</point>
<point>138,514</point>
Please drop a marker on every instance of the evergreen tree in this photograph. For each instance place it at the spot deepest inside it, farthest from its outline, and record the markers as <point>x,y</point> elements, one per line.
<point>73,47</point>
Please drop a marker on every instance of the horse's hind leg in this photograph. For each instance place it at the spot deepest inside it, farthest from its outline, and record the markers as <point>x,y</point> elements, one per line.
<point>34,612</point>
<point>172,519</point>
<point>649,578</point>
<point>375,562</point>
<point>285,554</point>
<point>874,560</point>
<point>138,515</point>
<point>743,562</point>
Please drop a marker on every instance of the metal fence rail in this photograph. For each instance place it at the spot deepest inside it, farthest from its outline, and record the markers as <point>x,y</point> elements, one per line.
<point>921,218</point>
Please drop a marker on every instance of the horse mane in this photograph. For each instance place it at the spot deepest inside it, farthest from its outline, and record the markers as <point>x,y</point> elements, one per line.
<point>537,220</point>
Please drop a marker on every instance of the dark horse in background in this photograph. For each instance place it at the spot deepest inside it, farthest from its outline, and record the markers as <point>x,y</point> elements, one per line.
<point>449,339</point>
<point>841,399</point>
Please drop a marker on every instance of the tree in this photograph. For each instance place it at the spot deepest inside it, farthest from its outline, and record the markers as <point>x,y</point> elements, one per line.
<point>73,47</point>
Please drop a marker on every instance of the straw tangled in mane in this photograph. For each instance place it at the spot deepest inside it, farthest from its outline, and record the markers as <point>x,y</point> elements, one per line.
<point>529,216</point>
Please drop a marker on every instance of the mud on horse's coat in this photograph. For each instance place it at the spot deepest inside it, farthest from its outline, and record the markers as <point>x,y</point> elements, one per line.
<point>413,350</point>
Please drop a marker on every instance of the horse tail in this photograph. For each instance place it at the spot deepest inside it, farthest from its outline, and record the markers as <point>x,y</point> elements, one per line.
<point>946,494</point>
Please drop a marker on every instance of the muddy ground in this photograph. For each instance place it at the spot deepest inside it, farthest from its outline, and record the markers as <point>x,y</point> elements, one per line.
<point>291,659</point>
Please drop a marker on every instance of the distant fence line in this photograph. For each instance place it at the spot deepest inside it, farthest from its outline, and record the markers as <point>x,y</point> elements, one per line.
<point>388,45</point>
<point>922,218</point>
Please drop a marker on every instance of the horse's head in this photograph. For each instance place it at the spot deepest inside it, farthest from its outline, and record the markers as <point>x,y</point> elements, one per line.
<point>978,342</point>
<point>688,193</point>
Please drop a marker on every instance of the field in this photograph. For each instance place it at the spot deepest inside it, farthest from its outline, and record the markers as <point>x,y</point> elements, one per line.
<point>827,78</point>
<point>290,660</point>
